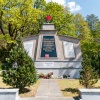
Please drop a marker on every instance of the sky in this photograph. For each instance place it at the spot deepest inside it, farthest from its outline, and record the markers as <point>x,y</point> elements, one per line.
<point>84,7</point>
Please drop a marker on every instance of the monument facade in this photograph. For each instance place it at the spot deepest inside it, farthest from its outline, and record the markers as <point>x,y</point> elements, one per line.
<point>54,53</point>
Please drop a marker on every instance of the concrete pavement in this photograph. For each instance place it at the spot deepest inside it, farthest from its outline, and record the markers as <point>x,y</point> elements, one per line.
<point>48,90</point>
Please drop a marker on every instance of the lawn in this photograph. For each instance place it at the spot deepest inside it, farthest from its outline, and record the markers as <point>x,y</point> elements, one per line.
<point>69,87</point>
<point>29,91</point>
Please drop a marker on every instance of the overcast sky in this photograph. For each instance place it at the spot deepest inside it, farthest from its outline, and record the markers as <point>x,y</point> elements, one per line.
<point>85,7</point>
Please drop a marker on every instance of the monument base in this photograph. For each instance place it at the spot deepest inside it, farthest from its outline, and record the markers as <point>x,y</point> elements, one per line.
<point>59,69</point>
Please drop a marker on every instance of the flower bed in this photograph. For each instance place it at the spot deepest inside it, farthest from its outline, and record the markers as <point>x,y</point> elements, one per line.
<point>46,76</point>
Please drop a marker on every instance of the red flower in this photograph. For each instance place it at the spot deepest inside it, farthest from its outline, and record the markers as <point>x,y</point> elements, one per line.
<point>48,18</point>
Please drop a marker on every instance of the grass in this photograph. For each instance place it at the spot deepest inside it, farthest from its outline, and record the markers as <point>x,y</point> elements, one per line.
<point>69,87</point>
<point>2,85</point>
<point>28,92</point>
<point>97,85</point>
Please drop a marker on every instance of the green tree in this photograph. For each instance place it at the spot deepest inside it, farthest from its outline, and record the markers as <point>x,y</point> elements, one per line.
<point>94,25</point>
<point>40,4</point>
<point>82,28</point>
<point>96,32</point>
<point>88,45</point>
<point>5,42</point>
<point>91,49</point>
<point>19,17</point>
<point>62,19</point>
<point>92,20</point>
<point>88,76</point>
<point>20,71</point>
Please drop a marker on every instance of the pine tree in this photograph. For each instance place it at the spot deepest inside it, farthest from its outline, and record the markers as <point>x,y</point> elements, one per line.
<point>20,71</point>
<point>88,76</point>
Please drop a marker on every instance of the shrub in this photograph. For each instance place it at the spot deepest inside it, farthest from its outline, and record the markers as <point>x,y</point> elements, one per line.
<point>88,76</point>
<point>64,76</point>
<point>41,75</point>
<point>20,71</point>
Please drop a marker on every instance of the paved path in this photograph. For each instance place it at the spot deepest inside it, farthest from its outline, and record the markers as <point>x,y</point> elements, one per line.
<point>48,90</point>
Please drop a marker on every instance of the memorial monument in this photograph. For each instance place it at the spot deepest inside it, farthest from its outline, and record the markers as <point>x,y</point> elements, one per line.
<point>54,53</point>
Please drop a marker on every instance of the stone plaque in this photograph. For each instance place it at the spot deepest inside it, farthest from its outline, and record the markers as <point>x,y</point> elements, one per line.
<point>48,47</point>
<point>68,49</point>
<point>28,46</point>
<point>48,64</point>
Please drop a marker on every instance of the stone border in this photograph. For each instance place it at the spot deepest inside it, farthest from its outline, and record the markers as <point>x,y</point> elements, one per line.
<point>89,94</point>
<point>12,94</point>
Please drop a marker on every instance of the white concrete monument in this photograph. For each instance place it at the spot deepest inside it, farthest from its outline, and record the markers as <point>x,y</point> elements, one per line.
<point>54,53</point>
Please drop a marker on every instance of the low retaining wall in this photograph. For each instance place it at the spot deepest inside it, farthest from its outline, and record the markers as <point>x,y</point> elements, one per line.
<point>89,94</point>
<point>9,94</point>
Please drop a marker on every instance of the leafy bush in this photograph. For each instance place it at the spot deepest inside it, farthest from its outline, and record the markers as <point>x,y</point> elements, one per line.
<point>88,76</point>
<point>20,71</point>
<point>41,75</point>
<point>64,76</point>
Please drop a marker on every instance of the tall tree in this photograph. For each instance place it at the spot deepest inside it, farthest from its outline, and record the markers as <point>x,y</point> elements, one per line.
<point>88,45</point>
<point>19,17</point>
<point>88,76</point>
<point>96,32</point>
<point>92,20</point>
<point>63,20</point>
<point>40,4</point>
<point>94,25</point>
<point>82,28</point>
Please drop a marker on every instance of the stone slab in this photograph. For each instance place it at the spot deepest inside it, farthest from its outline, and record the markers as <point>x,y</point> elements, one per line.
<point>89,94</point>
<point>48,26</point>
<point>48,87</point>
<point>12,94</point>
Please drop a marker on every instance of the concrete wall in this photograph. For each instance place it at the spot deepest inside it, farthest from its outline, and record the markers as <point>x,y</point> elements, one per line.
<point>59,49</point>
<point>60,68</point>
<point>9,94</point>
<point>59,72</point>
<point>37,40</point>
<point>49,30</point>
<point>33,39</point>
<point>89,94</point>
